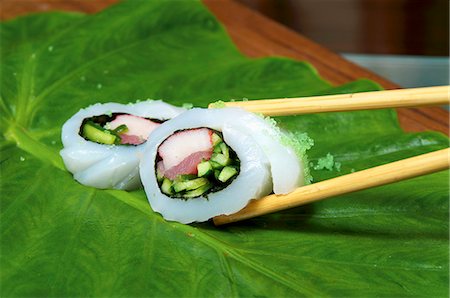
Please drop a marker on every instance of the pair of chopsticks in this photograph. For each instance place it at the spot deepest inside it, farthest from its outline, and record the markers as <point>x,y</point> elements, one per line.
<point>377,176</point>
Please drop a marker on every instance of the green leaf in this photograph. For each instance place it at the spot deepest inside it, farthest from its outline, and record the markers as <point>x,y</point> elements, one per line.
<point>59,238</point>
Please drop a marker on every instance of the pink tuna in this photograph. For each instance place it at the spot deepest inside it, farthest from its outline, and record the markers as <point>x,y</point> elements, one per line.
<point>188,165</point>
<point>184,150</point>
<point>138,128</point>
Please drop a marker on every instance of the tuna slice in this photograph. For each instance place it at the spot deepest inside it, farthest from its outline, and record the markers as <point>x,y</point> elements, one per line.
<point>138,128</point>
<point>188,165</point>
<point>182,151</point>
<point>130,139</point>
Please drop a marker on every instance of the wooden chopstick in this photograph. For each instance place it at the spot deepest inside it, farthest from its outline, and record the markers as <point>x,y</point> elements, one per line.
<point>377,176</point>
<point>415,97</point>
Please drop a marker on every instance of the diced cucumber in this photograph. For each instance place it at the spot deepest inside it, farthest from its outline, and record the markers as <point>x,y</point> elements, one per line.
<point>95,134</point>
<point>224,149</point>
<point>166,187</point>
<point>179,186</point>
<point>215,165</point>
<point>121,129</point>
<point>220,159</point>
<point>190,184</point>
<point>196,183</point>
<point>216,174</point>
<point>159,175</point>
<point>204,168</point>
<point>226,174</point>
<point>216,139</point>
<point>217,149</point>
<point>185,177</point>
<point>197,192</point>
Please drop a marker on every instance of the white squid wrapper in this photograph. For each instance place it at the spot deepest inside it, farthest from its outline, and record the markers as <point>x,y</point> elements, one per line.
<point>108,166</point>
<point>265,164</point>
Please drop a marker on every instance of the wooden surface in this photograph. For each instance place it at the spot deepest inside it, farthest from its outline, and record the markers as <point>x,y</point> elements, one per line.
<point>390,27</point>
<point>258,36</point>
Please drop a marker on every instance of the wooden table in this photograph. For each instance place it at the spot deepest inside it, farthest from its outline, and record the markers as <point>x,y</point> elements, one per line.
<point>258,36</point>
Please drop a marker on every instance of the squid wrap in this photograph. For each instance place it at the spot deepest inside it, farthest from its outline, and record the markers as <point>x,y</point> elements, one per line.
<point>208,162</point>
<point>103,143</point>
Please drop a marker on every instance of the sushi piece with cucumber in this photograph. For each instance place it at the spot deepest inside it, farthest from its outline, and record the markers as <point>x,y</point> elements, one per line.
<point>103,143</point>
<point>208,162</point>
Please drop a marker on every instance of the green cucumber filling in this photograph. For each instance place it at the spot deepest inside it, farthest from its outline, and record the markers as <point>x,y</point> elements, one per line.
<point>212,175</point>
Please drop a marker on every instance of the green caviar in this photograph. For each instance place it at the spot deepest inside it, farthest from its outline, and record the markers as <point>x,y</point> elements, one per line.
<point>212,175</point>
<point>299,142</point>
<point>217,105</point>
<point>328,162</point>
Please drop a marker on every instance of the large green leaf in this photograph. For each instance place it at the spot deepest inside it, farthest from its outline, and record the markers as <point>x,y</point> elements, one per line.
<point>59,238</point>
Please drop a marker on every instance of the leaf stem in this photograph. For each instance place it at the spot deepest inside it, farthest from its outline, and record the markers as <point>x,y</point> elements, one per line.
<point>24,141</point>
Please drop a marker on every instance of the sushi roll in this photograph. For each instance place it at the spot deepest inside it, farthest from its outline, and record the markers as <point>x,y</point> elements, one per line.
<point>103,143</point>
<point>208,162</point>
